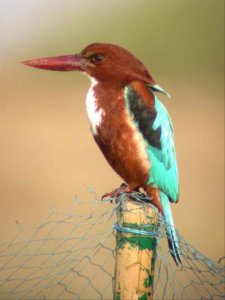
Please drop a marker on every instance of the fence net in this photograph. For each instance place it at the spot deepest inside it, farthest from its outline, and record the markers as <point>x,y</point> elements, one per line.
<point>72,256</point>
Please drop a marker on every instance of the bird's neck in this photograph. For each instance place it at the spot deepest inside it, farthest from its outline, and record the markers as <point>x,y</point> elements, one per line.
<point>104,96</point>
<point>102,99</point>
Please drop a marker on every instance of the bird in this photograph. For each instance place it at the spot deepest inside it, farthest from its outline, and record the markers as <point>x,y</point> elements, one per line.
<point>131,126</point>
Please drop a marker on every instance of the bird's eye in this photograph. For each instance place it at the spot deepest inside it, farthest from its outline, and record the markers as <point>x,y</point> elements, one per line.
<point>95,58</point>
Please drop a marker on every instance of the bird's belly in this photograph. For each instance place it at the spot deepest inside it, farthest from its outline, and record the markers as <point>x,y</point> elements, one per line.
<point>125,149</point>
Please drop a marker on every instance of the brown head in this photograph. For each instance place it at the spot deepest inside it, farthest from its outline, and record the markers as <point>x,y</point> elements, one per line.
<point>104,62</point>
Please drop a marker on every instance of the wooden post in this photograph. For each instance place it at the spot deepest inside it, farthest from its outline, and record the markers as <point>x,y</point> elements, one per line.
<point>136,241</point>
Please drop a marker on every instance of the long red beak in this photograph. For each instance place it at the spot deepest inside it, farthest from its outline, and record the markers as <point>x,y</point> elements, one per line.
<point>59,63</point>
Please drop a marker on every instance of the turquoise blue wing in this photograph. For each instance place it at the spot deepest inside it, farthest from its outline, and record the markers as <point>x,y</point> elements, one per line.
<point>163,171</point>
<point>153,121</point>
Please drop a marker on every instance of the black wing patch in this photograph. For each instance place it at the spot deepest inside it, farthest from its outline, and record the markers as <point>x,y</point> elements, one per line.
<point>144,117</point>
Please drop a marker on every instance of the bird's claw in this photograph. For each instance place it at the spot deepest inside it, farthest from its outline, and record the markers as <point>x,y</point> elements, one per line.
<point>124,188</point>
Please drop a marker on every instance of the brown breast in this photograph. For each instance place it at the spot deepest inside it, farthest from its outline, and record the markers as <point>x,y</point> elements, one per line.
<point>118,138</point>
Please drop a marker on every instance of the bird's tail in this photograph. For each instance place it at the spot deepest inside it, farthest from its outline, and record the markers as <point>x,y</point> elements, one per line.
<point>170,229</point>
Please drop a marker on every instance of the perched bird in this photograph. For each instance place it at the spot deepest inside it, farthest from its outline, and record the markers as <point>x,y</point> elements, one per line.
<point>130,125</point>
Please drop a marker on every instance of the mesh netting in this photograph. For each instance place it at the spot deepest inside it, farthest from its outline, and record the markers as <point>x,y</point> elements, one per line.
<point>72,256</point>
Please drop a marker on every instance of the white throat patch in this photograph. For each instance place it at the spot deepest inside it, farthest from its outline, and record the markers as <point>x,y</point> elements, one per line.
<point>94,113</point>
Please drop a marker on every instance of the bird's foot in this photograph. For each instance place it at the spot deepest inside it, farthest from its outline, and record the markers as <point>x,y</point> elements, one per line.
<point>124,188</point>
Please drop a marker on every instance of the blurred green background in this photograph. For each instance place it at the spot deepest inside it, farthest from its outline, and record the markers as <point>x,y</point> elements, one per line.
<point>47,151</point>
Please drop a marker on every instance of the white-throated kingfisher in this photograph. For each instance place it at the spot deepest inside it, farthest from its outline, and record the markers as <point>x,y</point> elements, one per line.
<point>130,125</point>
